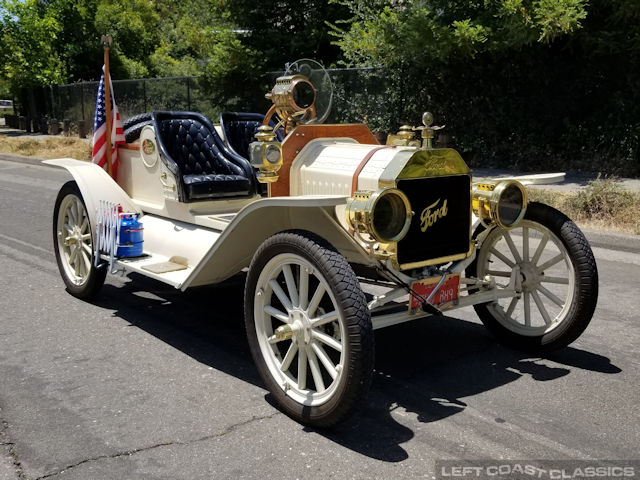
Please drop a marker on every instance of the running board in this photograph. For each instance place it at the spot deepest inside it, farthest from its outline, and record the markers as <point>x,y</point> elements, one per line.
<point>172,250</point>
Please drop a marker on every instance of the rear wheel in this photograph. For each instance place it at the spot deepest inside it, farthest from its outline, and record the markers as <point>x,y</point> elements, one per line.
<point>309,328</point>
<point>73,244</point>
<point>557,280</point>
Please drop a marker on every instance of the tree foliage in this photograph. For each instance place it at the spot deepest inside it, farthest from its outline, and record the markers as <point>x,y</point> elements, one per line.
<point>526,83</point>
<point>534,84</point>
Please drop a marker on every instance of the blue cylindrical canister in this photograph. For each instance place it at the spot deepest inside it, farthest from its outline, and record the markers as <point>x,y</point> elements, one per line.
<point>130,241</point>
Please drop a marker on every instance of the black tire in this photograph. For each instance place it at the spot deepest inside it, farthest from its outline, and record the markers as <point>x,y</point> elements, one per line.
<point>132,133</point>
<point>577,311</point>
<point>135,119</point>
<point>352,382</point>
<point>90,283</point>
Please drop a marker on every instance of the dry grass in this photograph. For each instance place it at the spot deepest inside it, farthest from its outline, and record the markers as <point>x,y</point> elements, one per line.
<point>54,147</point>
<point>602,205</point>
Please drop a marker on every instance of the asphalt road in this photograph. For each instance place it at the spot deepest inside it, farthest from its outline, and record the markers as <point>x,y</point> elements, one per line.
<point>146,382</point>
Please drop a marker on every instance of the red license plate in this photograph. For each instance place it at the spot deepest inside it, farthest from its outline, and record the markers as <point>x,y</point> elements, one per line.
<point>448,291</point>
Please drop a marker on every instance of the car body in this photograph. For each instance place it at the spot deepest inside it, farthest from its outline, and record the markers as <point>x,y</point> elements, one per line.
<point>337,234</point>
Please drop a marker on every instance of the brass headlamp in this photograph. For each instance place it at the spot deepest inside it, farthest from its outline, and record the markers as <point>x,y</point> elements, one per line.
<point>384,215</point>
<point>266,155</point>
<point>503,202</point>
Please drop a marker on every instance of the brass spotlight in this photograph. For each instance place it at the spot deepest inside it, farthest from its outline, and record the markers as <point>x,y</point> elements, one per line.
<point>293,94</point>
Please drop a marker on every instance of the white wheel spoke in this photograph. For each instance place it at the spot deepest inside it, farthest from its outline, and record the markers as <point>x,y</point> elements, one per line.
<point>540,249</point>
<point>327,340</point>
<point>85,224</point>
<point>77,212</point>
<point>273,339</point>
<point>562,280</point>
<point>499,273</point>
<point>304,287</point>
<point>85,237</point>
<point>302,369</point>
<point>73,256</point>
<point>291,285</point>
<point>541,309</point>
<point>286,303</point>
<point>315,300</point>
<point>315,370</point>
<point>512,306</point>
<point>288,358</point>
<point>275,313</point>
<point>68,228</point>
<point>324,358</point>
<point>87,248</point>
<point>525,244</point>
<point>527,309</point>
<point>86,262</point>
<point>76,263</point>
<point>551,296</point>
<point>71,215</point>
<point>512,247</point>
<point>557,259</point>
<point>324,319</point>
<point>502,257</point>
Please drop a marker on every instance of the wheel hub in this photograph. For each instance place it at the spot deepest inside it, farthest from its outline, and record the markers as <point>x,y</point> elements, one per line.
<point>300,326</point>
<point>529,276</point>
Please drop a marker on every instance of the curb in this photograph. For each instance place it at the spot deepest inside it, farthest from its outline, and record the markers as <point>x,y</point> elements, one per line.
<point>613,241</point>
<point>603,239</point>
<point>10,157</point>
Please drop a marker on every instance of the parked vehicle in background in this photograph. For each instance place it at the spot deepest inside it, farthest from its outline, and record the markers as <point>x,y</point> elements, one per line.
<point>6,105</point>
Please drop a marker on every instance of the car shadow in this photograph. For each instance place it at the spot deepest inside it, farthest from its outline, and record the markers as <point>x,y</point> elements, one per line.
<point>423,367</point>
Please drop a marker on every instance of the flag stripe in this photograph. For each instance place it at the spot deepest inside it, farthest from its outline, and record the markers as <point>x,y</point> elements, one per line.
<point>99,148</point>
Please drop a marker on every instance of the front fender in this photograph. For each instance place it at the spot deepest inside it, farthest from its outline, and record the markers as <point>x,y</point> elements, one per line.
<point>263,218</point>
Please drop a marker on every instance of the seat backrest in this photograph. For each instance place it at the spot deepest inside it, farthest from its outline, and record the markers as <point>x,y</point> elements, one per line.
<point>191,144</point>
<point>240,129</point>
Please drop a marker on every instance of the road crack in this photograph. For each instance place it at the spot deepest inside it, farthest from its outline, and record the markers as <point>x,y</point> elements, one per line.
<point>128,453</point>
<point>4,433</point>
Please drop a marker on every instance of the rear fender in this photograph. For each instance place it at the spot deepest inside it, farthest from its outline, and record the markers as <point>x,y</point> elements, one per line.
<point>95,184</point>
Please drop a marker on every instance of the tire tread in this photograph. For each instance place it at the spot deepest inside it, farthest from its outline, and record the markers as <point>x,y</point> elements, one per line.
<point>586,286</point>
<point>357,319</point>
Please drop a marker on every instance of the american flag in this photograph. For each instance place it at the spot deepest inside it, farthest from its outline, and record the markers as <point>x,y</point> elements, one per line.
<point>99,151</point>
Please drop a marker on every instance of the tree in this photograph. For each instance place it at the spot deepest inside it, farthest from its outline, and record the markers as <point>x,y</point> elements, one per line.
<point>533,84</point>
<point>27,36</point>
<point>420,32</point>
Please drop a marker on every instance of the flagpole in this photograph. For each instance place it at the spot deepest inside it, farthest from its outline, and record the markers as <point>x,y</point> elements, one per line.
<point>106,43</point>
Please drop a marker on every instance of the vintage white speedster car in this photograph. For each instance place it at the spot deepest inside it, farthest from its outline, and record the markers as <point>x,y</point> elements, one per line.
<point>338,235</point>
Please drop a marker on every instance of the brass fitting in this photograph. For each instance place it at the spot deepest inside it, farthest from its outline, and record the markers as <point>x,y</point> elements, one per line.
<point>266,155</point>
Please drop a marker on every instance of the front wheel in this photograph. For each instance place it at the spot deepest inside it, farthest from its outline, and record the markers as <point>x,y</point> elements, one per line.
<point>309,328</point>
<point>556,280</point>
<point>73,244</point>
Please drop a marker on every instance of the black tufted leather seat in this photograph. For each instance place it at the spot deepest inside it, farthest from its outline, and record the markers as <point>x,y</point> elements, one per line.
<point>240,129</point>
<point>194,152</point>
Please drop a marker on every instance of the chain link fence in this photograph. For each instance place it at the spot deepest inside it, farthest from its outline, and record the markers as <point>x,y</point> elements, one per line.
<point>358,95</point>
<point>77,101</point>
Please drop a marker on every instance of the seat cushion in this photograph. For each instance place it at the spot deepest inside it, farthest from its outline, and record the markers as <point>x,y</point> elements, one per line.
<point>192,146</point>
<point>240,130</point>
<point>200,186</point>
<point>240,133</point>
